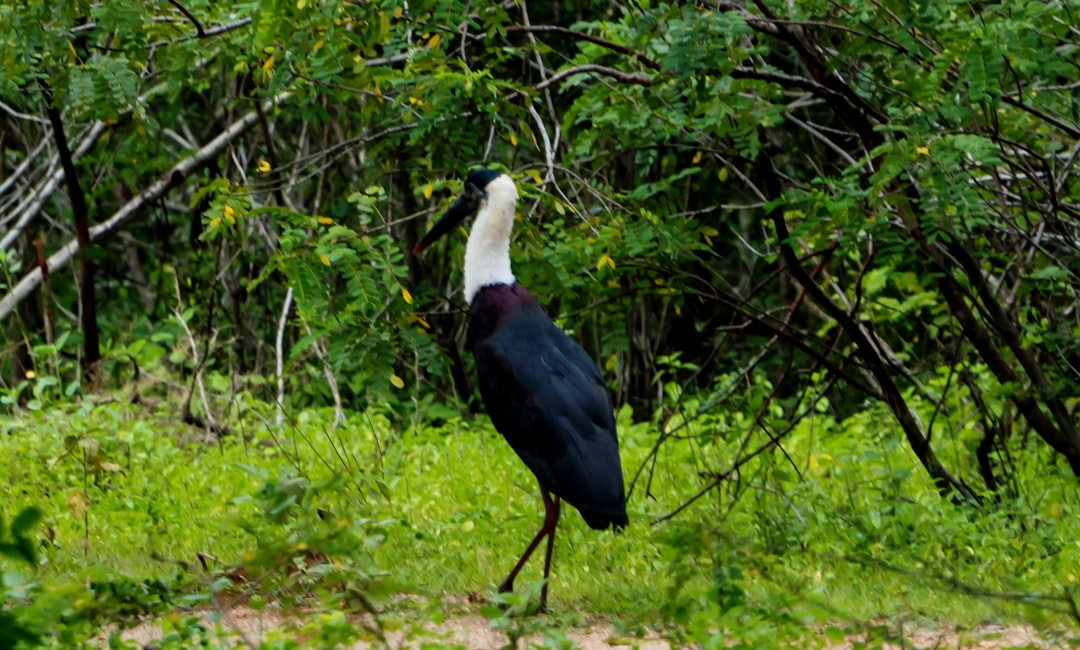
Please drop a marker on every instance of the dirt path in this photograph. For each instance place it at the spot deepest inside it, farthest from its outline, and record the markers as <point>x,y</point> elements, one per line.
<point>473,631</point>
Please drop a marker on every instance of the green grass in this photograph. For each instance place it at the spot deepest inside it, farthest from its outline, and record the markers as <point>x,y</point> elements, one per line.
<point>444,512</point>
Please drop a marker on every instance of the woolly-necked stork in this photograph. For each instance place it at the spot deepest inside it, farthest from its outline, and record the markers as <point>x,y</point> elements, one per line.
<point>543,392</point>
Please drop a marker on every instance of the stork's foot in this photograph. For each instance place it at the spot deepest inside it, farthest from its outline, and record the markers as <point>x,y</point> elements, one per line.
<point>507,587</point>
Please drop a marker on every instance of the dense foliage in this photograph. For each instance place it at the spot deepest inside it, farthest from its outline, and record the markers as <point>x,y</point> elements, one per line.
<point>777,227</point>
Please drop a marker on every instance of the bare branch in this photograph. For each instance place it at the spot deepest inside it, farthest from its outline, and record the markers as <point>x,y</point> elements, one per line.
<point>619,75</point>
<point>190,16</point>
<point>581,36</point>
<point>22,116</point>
<point>46,189</point>
<point>279,354</point>
<point>156,190</point>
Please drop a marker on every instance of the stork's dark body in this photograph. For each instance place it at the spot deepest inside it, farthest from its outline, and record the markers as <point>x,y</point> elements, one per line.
<point>545,395</point>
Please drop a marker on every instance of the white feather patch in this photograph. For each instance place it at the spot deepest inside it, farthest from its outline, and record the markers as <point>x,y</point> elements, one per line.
<point>487,255</point>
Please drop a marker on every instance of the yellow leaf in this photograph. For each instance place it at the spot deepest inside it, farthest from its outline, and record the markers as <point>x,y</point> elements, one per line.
<point>398,11</point>
<point>433,42</point>
<point>326,221</point>
<point>215,222</point>
<point>1055,510</point>
<point>324,259</point>
<point>77,504</point>
<point>610,363</point>
<point>398,382</point>
<point>318,45</point>
<point>30,374</point>
<point>423,323</point>
<point>406,295</point>
<point>300,4</point>
<point>697,158</point>
<point>605,260</point>
<point>269,63</point>
<point>427,191</point>
<point>722,174</point>
<point>678,310</point>
<point>264,166</point>
<point>924,151</point>
<point>613,284</point>
<point>416,101</point>
<point>535,175</point>
<point>229,213</point>
<point>534,140</point>
<point>560,208</point>
<point>513,140</point>
<point>813,464</point>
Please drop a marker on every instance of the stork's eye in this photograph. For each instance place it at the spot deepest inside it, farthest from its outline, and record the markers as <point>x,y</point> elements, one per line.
<point>470,188</point>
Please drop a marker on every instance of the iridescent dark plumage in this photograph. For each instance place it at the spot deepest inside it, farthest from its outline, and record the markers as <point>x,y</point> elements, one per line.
<point>547,398</point>
<point>543,392</point>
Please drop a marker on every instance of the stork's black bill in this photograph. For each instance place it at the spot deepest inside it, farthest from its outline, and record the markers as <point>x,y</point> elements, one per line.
<point>465,206</point>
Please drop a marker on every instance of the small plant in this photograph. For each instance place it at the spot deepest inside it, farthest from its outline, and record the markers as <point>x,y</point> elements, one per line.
<point>17,545</point>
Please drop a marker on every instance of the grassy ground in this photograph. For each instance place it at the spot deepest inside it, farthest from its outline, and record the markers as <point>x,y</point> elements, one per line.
<point>130,498</point>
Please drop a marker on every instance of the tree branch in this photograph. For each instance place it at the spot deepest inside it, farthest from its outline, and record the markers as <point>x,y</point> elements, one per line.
<point>80,214</point>
<point>581,36</point>
<point>624,77</point>
<point>46,189</point>
<point>190,16</point>
<point>946,483</point>
<point>173,178</point>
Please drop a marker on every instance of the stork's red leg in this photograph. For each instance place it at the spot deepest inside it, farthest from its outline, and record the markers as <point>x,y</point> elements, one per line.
<point>550,548</point>
<point>551,517</point>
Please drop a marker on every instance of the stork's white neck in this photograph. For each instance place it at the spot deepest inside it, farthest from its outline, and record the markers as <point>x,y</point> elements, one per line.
<point>487,255</point>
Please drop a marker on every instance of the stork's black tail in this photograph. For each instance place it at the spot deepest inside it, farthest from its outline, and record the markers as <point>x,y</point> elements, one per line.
<point>604,520</point>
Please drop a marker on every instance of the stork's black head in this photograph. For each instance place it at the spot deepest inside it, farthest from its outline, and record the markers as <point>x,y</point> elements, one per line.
<point>466,204</point>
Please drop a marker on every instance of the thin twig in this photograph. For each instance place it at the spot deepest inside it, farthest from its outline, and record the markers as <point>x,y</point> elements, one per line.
<point>581,36</point>
<point>191,17</point>
<point>279,354</point>
<point>619,75</point>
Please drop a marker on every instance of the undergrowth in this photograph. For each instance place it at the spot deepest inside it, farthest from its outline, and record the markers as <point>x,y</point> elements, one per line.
<point>379,530</point>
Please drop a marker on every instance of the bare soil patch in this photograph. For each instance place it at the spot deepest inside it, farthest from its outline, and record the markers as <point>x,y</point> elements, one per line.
<point>475,632</point>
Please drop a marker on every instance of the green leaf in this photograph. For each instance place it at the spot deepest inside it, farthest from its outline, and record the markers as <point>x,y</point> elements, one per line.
<point>25,520</point>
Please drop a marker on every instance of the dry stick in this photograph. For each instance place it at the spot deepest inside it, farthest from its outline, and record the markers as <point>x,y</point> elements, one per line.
<point>19,171</point>
<point>22,116</point>
<point>279,354</point>
<point>211,423</point>
<point>618,75</point>
<point>331,380</point>
<point>46,189</point>
<point>171,179</point>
